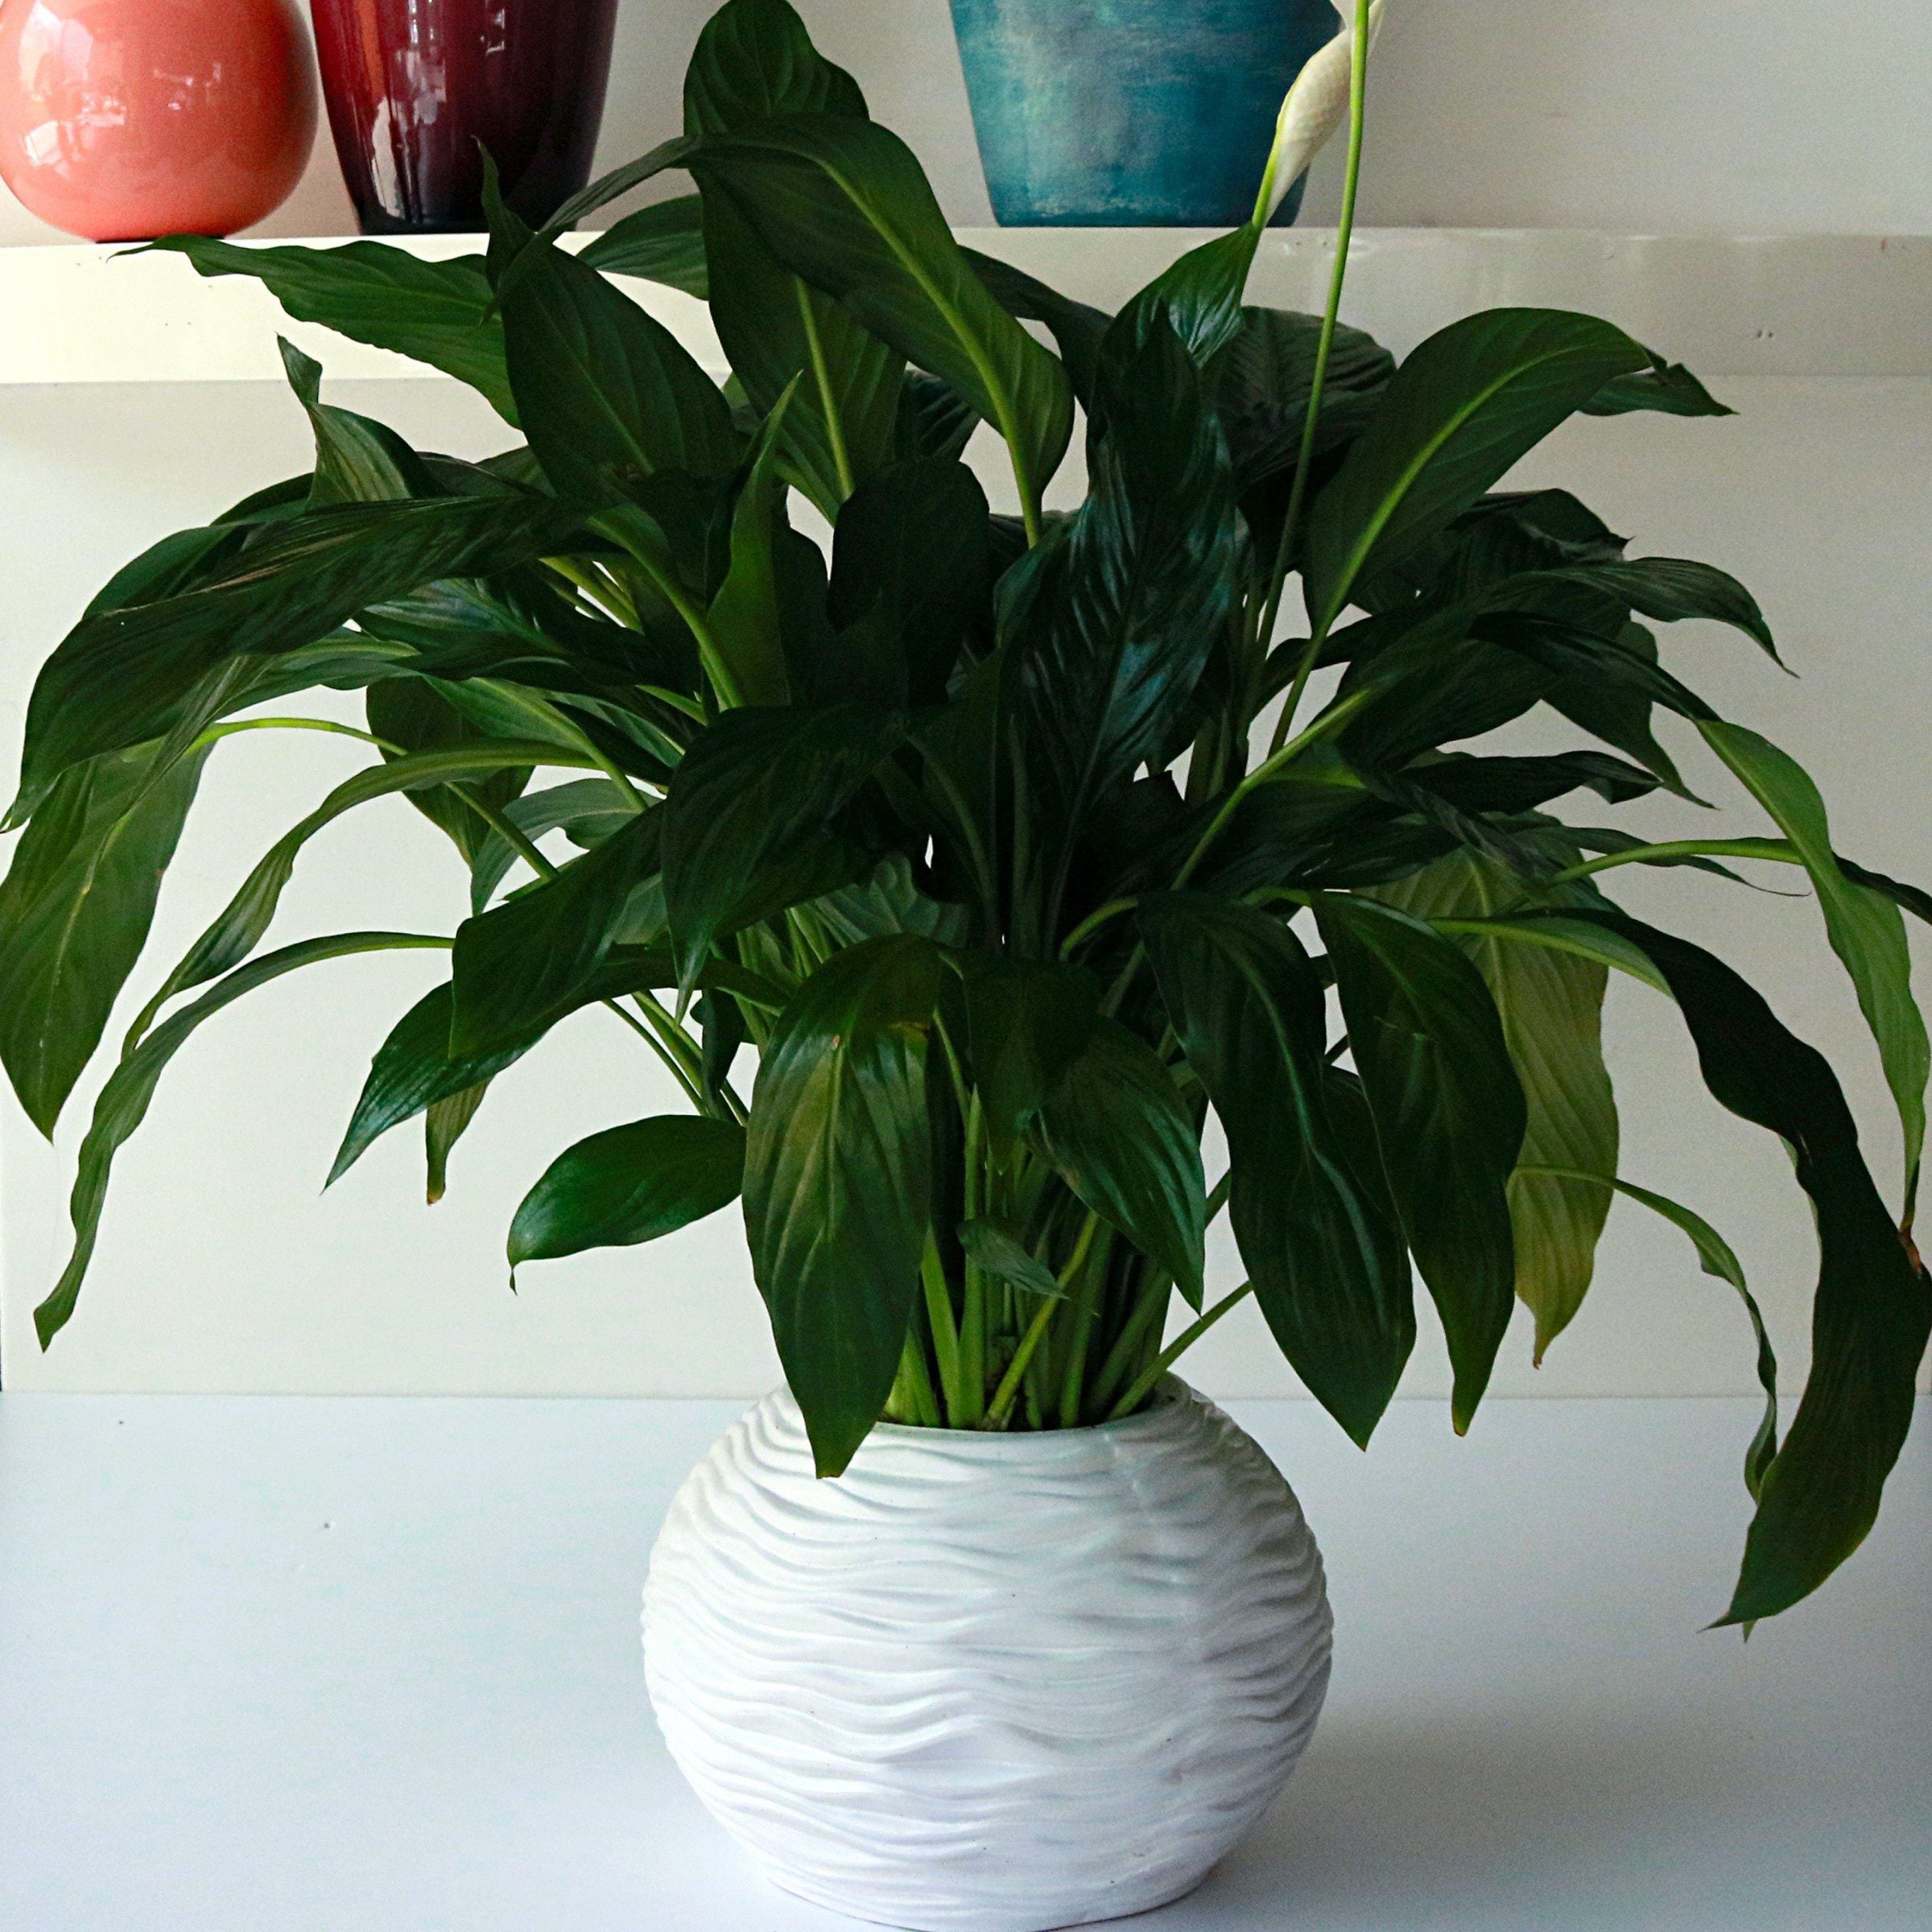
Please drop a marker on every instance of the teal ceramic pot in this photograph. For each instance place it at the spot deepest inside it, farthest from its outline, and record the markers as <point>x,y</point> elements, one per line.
<point>1154,113</point>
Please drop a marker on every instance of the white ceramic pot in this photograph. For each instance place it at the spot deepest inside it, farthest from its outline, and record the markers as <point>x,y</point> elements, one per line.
<point>988,1683</point>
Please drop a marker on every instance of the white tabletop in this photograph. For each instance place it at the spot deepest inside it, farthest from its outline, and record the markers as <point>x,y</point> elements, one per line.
<point>338,1665</point>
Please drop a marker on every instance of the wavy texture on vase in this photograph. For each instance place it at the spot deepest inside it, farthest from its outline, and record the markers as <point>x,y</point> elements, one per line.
<point>988,1683</point>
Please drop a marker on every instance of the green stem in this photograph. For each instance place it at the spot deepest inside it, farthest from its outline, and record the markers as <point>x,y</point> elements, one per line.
<point>1344,233</point>
<point>1682,848</point>
<point>1093,922</point>
<point>1137,1389</point>
<point>973,1314</point>
<point>1331,720</point>
<point>945,1332</point>
<point>912,1399</point>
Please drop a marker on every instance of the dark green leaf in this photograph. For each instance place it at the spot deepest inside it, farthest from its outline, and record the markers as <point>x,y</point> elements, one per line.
<point>1872,1312</point>
<point>664,243</point>
<point>123,1101</point>
<point>1866,929</point>
<point>520,965</point>
<point>1122,606</point>
<point>844,203</point>
<point>122,676</point>
<point>606,394</point>
<point>435,312</point>
<point>995,1247</point>
<point>1449,1116</point>
<point>630,1184</point>
<point>751,801</point>
<point>838,1182</point>
<point>1076,328</point>
<point>1025,1023</point>
<point>1320,1238</point>
<point>1550,1003</point>
<point>1114,1124</point>
<point>75,911</point>
<point>1668,388</point>
<point>1461,410</point>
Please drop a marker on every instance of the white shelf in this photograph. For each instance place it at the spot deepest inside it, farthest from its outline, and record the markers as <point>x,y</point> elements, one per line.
<point>311,1665</point>
<point>1766,305</point>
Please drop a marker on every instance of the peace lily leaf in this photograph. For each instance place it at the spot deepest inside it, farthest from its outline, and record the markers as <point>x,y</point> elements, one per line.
<point>844,205</point>
<point>1260,382</point>
<point>1715,1257</point>
<point>586,811</point>
<point>996,1248</point>
<point>1198,295</point>
<point>908,575</point>
<point>120,677</point>
<point>357,459</point>
<point>838,1182</point>
<point>1076,328</point>
<point>754,60</point>
<point>605,393</point>
<point>1551,1004</point>
<point>1449,1112</point>
<point>517,967</point>
<point>1461,409</point>
<point>754,794</point>
<point>1025,1023</point>
<point>1866,929</point>
<point>1124,603</point>
<point>444,1123</point>
<point>239,927</point>
<point>123,1101</point>
<point>630,1184</point>
<point>1114,1125</point>
<point>1668,388</point>
<point>1319,1237</point>
<point>663,243</point>
<point>75,911</point>
<point>1872,1312</point>
<point>436,312</point>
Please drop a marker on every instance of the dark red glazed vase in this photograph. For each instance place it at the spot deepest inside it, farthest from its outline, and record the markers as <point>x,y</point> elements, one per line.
<point>413,86</point>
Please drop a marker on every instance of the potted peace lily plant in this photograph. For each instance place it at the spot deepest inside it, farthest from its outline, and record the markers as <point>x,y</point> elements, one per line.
<point>1014,846</point>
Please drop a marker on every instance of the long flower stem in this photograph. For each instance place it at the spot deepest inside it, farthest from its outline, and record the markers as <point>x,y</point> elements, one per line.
<point>1297,494</point>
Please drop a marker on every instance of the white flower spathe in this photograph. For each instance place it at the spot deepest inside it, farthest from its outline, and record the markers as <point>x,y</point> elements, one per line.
<point>1314,106</point>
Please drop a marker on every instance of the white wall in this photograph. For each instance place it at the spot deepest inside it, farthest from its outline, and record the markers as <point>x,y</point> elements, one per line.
<point>1696,116</point>
<point>221,1266</point>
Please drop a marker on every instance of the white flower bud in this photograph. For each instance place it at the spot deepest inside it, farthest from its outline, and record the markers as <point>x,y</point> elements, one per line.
<point>1314,106</point>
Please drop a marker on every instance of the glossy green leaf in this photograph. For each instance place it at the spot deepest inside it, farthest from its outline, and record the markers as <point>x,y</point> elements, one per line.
<point>517,967</point>
<point>444,1123</point>
<point>1317,1232</point>
<point>1667,388</point>
<point>436,312</point>
<point>1114,1124</point>
<point>843,205</point>
<point>239,927</point>
<point>909,578</point>
<point>1076,327</point>
<point>838,1182</point>
<point>1449,1116</point>
<point>1873,1308</point>
<point>123,1102</point>
<point>412,715</point>
<point>1866,929</point>
<point>663,243</point>
<point>1551,1004</point>
<point>1122,605</point>
<point>750,616</point>
<point>745,823</point>
<point>605,393</point>
<point>630,1184</point>
<point>357,459</point>
<point>75,910</point>
<point>1260,382</point>
<point>1462,408</point>
<point>1026,1021</point>
<point>995,1248</point>
<point>586,811</point>
<point>121,677</point>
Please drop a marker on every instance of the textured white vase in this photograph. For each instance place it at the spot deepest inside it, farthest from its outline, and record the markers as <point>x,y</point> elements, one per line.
<point>988,1683</point>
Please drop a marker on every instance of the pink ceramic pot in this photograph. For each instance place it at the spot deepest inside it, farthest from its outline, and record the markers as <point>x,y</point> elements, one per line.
<point>123,119</point>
